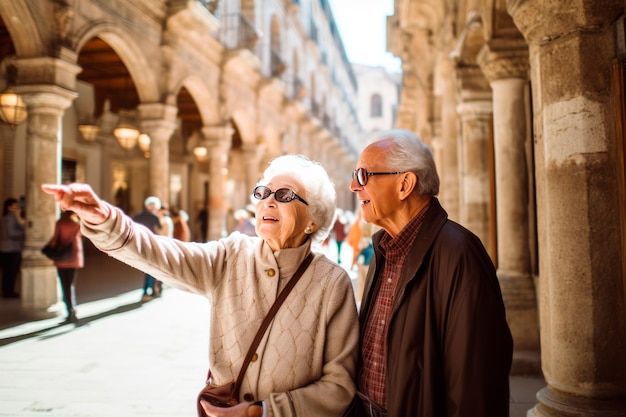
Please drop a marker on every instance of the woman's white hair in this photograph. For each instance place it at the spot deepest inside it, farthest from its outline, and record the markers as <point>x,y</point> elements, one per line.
<point>320,191</point>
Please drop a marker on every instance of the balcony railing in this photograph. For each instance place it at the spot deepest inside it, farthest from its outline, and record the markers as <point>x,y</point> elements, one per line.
<point>237,32</point>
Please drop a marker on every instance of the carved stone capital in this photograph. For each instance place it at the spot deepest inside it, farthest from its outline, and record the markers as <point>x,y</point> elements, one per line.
<point>218,140</point>
<point>503,64</point>
<point>543,21</point>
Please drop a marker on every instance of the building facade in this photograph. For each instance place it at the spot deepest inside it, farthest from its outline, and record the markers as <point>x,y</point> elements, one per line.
<point>219,88</point>
<point>523,102</point>
<point>377,97</point>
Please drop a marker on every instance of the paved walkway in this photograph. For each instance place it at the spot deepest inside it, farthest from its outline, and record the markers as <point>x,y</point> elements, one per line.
<point>123,358</point>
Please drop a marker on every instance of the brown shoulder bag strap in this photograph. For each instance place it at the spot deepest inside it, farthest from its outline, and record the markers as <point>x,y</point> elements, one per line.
<point>270,316</point>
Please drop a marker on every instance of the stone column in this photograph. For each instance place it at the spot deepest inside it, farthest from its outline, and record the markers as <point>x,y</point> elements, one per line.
<point>475,110</point>
<point>583,331</point>
<point>159,122</point>
<point>46,105</point>
<point>7,158</point>
<point>448,147</point>
<point>252,156</point>
<point>507,72</point>
<point>218,139</point>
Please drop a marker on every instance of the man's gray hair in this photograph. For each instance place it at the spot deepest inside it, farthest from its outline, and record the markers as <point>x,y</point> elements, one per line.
<point>409,153</point>
<point>320,191</point>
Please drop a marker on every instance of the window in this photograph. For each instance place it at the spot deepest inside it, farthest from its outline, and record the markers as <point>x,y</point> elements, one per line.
<point>376,106</point>
<point>68,171</point>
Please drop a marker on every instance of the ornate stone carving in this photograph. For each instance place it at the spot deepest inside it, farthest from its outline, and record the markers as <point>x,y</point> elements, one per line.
<point>506,64</point>
<point>63,16</point>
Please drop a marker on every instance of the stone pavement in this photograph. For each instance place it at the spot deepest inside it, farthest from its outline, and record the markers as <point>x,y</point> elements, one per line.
<point>124,358</point>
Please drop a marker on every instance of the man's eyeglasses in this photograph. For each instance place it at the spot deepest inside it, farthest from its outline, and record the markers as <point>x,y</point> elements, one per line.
<point>282,195</point>
<point>362,175</point>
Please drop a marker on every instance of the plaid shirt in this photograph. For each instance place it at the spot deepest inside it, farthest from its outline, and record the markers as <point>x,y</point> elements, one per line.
<point>395,251</point>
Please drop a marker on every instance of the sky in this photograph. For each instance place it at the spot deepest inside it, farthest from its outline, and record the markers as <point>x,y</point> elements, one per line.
<point>363,28</point>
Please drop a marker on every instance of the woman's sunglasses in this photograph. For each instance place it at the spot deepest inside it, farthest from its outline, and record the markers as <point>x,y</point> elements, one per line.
<point>362,175</point>
<point>282,195</point>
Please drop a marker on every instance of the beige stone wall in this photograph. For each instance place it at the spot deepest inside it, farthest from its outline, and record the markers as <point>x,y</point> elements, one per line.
<point>533,166</point>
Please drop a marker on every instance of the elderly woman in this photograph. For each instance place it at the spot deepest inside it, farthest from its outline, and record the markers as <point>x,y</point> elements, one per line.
<point>305,364</point>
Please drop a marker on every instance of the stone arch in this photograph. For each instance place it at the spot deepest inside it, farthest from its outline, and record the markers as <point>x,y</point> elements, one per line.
<point>131,55</point>
<point>470,37</point>
<point>23,29</point>
<point>426,14</point>
<point>496,21</point>
<point>201,93</point>
<point>246,126</point>
<point>273,143</point>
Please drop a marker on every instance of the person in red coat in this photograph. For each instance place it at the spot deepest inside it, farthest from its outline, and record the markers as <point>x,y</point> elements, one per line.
<point>67,229</point>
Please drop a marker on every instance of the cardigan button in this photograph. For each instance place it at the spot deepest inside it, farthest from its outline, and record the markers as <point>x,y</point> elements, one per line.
<point>248,397</point>
<point>271,272</point>
<point>254,357</point>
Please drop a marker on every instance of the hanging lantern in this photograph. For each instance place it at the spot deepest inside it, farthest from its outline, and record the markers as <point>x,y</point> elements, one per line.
<point>126,132</point>
<point>12,107</point>
<point>201,153</point>
<point>89,131</point>
<point>144,144</point>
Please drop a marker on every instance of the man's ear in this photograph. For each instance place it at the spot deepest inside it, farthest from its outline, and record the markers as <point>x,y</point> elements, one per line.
<point>408,184</point>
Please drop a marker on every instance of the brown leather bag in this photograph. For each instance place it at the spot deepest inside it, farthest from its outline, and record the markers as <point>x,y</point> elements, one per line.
<point>227,395</point>
<point>217,395</point>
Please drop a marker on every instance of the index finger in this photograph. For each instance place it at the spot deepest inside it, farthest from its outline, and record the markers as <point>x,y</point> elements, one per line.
<point>53,188</point>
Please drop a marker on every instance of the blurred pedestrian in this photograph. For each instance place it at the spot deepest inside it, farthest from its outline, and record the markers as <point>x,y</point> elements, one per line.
<point>203,224</point>
<point>12,231</point>
<point>354,238</point>
<point>67,229</point>
<point>167,224</point>
<point>363,260</point>
<point>167,229</point>
<point>245,223</point>
<point>181,227</point>
<point>339,232</point>
<point>149,217</point>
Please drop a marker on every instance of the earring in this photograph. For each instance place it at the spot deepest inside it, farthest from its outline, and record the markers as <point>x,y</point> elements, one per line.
<point>308,230</point>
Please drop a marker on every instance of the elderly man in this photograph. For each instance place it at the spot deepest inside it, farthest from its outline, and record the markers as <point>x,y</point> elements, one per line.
<point>434,336</point>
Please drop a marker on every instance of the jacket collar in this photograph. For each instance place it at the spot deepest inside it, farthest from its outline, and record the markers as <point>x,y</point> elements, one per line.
<point>434,220</point>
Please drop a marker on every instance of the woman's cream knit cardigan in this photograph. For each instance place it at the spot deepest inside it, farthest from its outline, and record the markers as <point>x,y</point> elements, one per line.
<point>305,364</point>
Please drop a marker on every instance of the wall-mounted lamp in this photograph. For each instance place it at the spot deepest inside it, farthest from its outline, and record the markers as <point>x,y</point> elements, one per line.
<point>12,107</point>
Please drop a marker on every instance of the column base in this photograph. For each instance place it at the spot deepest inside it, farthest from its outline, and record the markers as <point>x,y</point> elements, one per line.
<point>39,291</point>
<point>557,404</point>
